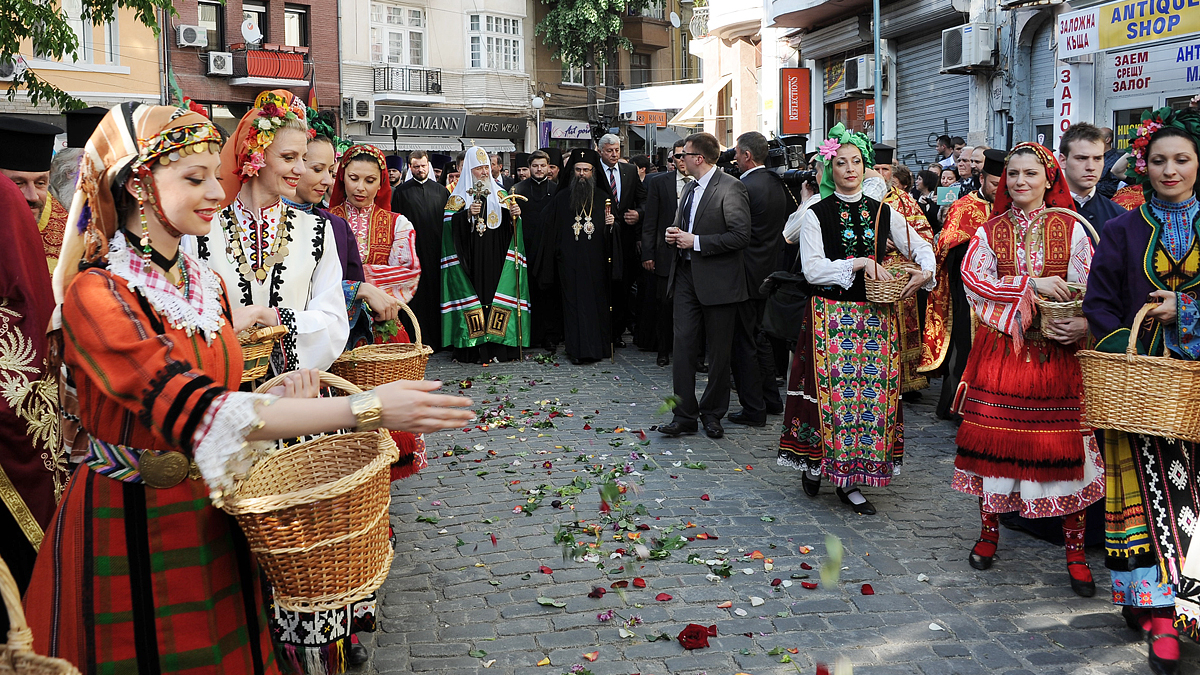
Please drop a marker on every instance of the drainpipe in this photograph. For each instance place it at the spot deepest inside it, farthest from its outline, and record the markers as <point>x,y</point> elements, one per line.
<point>164,56</point>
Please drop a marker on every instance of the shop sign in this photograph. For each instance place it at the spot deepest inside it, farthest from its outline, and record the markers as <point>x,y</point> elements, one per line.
<point>1157,69</point>
<point>796,86</point>
<point>1066,109</point>
<point>407,121</point>
<point>483,126</point>
<point>656,117</point>
<point>568,129</point>
<point>1125,23</point>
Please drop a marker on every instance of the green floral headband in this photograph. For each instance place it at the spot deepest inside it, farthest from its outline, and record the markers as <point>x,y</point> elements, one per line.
<point>839,136</point>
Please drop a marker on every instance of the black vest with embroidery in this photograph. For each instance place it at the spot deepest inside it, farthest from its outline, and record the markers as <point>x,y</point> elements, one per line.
<point>842,242</point>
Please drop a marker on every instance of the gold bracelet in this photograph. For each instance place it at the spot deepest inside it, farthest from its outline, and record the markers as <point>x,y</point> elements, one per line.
<point>368,410</point>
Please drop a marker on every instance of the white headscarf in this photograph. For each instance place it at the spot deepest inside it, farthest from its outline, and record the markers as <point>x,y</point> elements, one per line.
<point>477,156</point>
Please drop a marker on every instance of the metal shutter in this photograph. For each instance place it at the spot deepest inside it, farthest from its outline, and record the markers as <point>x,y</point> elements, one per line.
<point>1041,78</point>
<point>927,102</point>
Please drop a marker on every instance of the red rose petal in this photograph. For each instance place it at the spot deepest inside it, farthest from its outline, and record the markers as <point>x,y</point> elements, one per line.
<point>620,584</point>
<point>822,669</point>
<point>545,570</point>
<point>867,590</point>
<point>805,566</point>
<point>587,427</point>
<point>704,497</point>
<point>808,584</point>
<point>493,540</point>
<point>776,582</point>
<point>597,592</point>
<point>643,526</point>
<point>663,597</point>
<point>639,582</point>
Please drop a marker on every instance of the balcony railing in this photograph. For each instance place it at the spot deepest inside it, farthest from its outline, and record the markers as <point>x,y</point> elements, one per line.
<point>699,23</point>
<point>408,80</point>
<point>272,62</point>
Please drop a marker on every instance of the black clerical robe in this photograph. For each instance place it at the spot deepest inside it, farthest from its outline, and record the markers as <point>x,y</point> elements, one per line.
<point>582,268</point>
<point>482,259</point>
<point>546,329</point>
<point>424,205</point>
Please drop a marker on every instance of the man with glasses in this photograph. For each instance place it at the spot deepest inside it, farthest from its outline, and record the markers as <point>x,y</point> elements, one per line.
<point>629,198</point>
<point>662,200</point>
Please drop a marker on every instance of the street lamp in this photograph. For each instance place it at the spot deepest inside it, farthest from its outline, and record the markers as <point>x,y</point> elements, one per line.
<point>538,104</point>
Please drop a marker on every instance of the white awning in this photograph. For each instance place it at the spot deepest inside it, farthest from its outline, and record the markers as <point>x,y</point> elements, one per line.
<point>406,143</point>
<point>665,97</point>
<point>490,144</point>
<point>665,137</point>
<point>692,114</point>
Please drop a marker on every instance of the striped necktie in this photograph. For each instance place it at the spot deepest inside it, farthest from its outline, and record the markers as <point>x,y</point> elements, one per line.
<point>612,179</point>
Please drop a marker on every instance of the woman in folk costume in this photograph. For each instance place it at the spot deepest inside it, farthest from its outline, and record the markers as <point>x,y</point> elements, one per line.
<point>386,241</point>
<point>1022,446</point>
<point>843,419</point>
<point>138,571</point>
<point>1152,254</point>
<point>272,256</point>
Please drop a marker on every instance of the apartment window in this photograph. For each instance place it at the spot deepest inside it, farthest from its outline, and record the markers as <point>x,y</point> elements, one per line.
<point>495,42</point>
<point>572,74</point>
<point>212,20</point>
<point>685,57</point>
<point>397,35</point>
<point>112,44</point>
<point>639,70</point>
<point>258,14</point>
<point>654,10</point>
<point>73,13</point>
<point>295,26</point>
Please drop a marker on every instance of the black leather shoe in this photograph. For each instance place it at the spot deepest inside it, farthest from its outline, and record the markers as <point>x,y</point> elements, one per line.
<point>980,562</point>
<point>356,655</point>
<point>619,344</point>
<point>701,367</point>
<point>1159,665</point>
<point>864,509</point>
<point>664,361</point>
<point>676,428</point>
<point>713,429</point>
<point>742,418</point>
<point>811,487</point>
<point>1084,589</point>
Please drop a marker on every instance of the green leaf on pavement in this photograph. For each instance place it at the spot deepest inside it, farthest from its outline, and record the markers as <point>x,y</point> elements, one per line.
<point>775,652</point>
<point>550,602</point>
<point>477,653</point>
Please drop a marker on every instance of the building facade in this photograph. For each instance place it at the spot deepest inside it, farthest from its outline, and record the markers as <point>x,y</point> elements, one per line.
<point>222,54</point>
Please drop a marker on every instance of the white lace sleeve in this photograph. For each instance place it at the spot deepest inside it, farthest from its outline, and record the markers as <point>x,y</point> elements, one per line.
<point>819,270</point>
<point>222,452</point>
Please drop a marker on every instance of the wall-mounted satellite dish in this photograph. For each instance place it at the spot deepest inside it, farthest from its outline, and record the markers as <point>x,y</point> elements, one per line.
<point>251,32</point>
<point>674,19</point>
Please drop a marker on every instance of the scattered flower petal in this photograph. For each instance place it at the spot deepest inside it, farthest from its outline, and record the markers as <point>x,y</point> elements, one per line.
<point>639,582</point>
<point>544,662</point>
<point>934,626</point>
<point>808,584</point>
<point>704,497</point>
<point>740,612</point>
<point>867,589</point>
<point>591,656</point>
<point>755,601</point>
<point>725,605</point>
<point>663,597</point>
<point>545,570</point>
<point>922,577</point>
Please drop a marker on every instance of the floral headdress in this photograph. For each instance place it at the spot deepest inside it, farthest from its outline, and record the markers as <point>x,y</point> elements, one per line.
<point>1187,121</point>
<point>838,136</point>
<point>244,153</point>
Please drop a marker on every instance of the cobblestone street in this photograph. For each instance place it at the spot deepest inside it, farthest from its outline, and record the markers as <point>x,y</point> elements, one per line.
<point>471,566</point>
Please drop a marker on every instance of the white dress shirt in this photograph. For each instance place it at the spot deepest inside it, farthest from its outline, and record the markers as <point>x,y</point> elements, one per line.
<point>1085,198</point>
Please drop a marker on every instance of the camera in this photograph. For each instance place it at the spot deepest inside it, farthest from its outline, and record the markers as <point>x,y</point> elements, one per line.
<point>777,156</point>
<point>797,178</point>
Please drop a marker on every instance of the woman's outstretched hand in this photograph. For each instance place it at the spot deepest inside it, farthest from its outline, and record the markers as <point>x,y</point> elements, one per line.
<point>409,406</point>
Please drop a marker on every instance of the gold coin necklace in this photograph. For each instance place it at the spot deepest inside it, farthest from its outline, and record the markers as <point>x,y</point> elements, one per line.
<point>279,249</point>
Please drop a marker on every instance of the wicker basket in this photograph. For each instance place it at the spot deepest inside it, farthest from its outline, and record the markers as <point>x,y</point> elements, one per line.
<point>257,345</point>
<point>1053,309</point>
<point>1153,395</point>
<point>372,365</point>
<point>888,292</point>
<point>18,657</point>
<point>316,515</point>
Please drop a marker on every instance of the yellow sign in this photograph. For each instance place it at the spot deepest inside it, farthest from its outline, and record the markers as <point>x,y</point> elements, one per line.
<point>1125,23</point>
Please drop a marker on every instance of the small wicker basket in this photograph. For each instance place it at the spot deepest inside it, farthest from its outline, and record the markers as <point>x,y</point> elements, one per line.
<point>257,345</point>
<point>372,365</point>
<point>17,657</point>
<point>1153,395</point>
<point>316,515</point>
<point>888,292</point>
<point>1053,309</point>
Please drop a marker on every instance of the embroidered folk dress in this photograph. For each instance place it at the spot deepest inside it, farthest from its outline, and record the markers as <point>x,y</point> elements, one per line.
<point>387,243</point>
<point>1153,502</point>
<point>285,268</point>
<point>843,416</point>
<point>132,578</point>
<point>1022,445</point>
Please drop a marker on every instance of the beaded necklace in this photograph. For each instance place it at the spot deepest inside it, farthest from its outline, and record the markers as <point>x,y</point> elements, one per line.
<point>279,249</point>
<point>856,246</point>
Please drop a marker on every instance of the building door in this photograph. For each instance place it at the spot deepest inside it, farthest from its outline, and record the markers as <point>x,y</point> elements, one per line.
<point>928,104</point>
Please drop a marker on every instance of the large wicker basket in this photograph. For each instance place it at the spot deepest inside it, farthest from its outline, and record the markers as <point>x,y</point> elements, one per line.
<point>316,515</point>
<point>372,365</point>
<point>1153,395</point>
<point>1053,309</point>
<point>18,657</point>
<point>257,345</point>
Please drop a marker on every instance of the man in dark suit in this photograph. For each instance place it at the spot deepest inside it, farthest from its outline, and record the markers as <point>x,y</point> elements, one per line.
<point>1081,153</point>
<point>630,199</point>
<point>662,200</point>
<point>708,281</point>
<point>753,360</point>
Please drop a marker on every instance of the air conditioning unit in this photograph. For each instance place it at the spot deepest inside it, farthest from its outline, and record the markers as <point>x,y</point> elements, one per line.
<point>628,117</point>
<point>10,70</point>
<point>860,74</point>
<point>220,63</point>
<point>967,48</point>
<point>362,109</point>
<point>191,36</point>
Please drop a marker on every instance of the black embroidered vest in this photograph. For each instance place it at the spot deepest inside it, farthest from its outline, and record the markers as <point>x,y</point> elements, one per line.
<point>850,240</point>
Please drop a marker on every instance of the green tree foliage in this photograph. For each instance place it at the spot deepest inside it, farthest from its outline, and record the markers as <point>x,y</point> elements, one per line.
<point>587,32</point>
<point>42,23</point>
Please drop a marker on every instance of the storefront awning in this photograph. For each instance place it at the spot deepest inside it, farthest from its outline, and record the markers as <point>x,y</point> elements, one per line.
<point>665,97</point>
<point>692,114</point>
<point>490,144</point>
<point>407,143</point>
<point>664,137</point>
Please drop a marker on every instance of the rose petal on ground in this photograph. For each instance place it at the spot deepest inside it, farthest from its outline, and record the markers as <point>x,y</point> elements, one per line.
<point>757,555</point>
<point>740,612</point>
<point>867,589</point>
<point>787,583</point>
<point>808,584</point>
<point>544,662</point>
<point>545,570</point>
<point>776,582</point>
<point>805,566</point>
<point>934,626</point>
<point>922,577</point>
<point>620,584</point>
<point>597,592</point>
<point>805,550</point>
<point>591,656</point>
<point>639,582</point>
<point>725,605</point>
<point>663,597</point>
<point>704,497</point>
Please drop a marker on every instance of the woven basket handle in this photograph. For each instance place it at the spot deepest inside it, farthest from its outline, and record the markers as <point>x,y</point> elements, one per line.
<point>327,380</point>
<point>20,637</point>
<point>1039,218</point>
<point>416,324</point>
<point>1131,348</point>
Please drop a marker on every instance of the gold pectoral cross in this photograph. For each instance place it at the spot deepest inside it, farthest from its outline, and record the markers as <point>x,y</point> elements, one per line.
<point>577,227</point>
